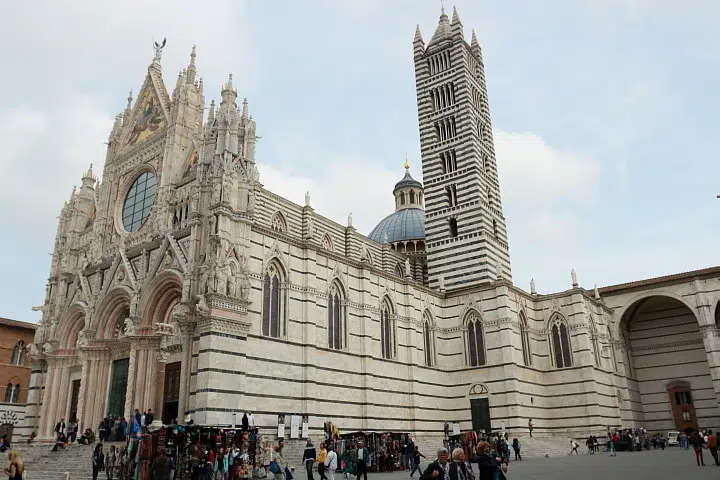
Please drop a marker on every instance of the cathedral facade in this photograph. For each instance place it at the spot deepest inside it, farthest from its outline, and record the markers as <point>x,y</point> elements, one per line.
<point>179,283</point>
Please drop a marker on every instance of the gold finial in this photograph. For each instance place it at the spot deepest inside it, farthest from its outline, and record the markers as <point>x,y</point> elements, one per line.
<point>407,162</point>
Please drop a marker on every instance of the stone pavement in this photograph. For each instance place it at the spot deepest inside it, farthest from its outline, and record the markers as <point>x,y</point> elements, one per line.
<point>670,464</point>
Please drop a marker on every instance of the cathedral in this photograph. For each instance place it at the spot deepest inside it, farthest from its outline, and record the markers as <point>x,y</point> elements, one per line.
<point>179,283</point>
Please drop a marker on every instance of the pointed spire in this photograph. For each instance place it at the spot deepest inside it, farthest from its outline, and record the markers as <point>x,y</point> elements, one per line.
<point>129,100</point>
<point>443,30</point>
<point>89,173</point>
<point>455,17</point>
<point>456,24</point>
<point>475,47</point>
<point>191,68</point>
<point>418,36</point>
<point>407,163</point>
<point>245,108</point>
<point>229,94</point>
<point>211,113</point>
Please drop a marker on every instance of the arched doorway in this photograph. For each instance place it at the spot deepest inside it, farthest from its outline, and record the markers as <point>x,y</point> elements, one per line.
<point>480,408</point>
<point>664,355</point>
<point>6,430</point>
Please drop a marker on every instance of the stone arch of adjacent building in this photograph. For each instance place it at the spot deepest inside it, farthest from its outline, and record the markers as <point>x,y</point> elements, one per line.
<point>667,357</point>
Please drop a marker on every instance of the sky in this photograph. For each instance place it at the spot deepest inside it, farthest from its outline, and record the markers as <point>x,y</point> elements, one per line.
<point>604,117</point>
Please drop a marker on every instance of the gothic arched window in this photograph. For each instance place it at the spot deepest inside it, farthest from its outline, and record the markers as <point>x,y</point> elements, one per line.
<point>18,354</point>
<point>428,340</point>
<point>278,223</point>
<point>560,343</point>
<point>273,316</point>
<point>387,330</point>
<point>8,393</point>
<point>336,317</point>
<point>525,340</point>
<point>475,340</point>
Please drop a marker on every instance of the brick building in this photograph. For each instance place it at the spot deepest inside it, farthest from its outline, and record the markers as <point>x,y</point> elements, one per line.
<point>15,369</point>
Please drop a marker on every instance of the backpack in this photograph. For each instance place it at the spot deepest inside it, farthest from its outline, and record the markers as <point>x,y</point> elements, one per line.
<point>274,467</point>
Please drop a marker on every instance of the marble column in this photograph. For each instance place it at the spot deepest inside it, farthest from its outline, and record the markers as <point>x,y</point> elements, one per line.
<point>151,379</point>
<point>45,428</point>
<point>83,389</point>
<point>130,390</point>
<point>187,332</point>
<point>162,357</point>
<point>51,397</point>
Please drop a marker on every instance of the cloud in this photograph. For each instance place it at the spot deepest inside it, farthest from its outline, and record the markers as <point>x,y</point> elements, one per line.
<point>60,144</point>
<point>349,184</point>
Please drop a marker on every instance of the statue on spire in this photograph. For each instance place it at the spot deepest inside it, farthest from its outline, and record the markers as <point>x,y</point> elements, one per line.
<point>158,50</point>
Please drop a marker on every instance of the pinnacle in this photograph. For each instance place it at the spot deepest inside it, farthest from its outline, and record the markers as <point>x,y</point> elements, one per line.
<point>418,35</point>
<point>455,17</point>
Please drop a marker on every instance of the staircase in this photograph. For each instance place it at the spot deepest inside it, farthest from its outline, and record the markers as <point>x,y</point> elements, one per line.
<point>538,447</point>
<point>43,464</point>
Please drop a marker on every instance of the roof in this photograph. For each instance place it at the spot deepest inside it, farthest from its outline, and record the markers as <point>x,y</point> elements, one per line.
<point>407,181</point>
<point>18,324</point>
<point>405,224</point>
<point>673,278</point>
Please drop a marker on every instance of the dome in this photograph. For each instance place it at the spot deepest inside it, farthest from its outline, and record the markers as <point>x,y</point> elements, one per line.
<point>404,224</point>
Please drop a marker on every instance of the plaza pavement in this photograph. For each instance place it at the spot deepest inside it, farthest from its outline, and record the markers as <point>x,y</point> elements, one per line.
<point>671,464</point>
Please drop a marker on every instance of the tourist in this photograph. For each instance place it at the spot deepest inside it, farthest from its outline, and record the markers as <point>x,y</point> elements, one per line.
<point>409,453</point>
<point>573,447</point>
<point>711,445</point>
<point>4,447</point>
<point>611,446</point>
<point>487,462</point>
<point>98,460</point>
<point>416,455</point>
<point>458,468</point>
<point>331,462</point>
<point>697,443</point>
<point>161,466</point>
<point>363,459</point>
<point>123,429</point>
<point>59,428</point>
<point>278,464</point>
<point>308,455</point>
<point>683,440</point>
<point>149,418</point>
<point>530,427</point>
<point>142,418</point>
<point>516,448</point>
<point>437,469</point>
<point>101,431</point>
<point>60,443</point>
<point>110,461</point>
<point>321,461</point>
<point>31,439</point>
<point>222,464</point>
<point>16,467</point>
<point>71,431</point>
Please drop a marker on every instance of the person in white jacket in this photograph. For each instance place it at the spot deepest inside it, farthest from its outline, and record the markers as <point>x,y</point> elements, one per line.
<point>331,463</point>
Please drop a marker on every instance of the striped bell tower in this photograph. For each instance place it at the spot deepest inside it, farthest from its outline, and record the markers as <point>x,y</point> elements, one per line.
<point>465,235</point>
